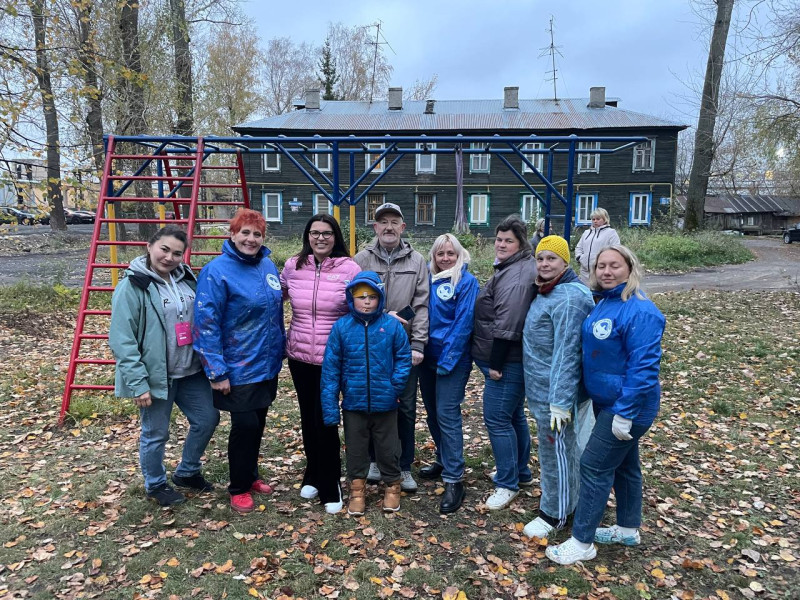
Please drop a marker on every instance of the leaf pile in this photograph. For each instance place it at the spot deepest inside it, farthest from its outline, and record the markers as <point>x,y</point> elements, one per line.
<point>721,499</point>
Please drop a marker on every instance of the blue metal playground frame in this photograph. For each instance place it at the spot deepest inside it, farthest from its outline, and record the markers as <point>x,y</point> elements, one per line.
<point>301,150</point>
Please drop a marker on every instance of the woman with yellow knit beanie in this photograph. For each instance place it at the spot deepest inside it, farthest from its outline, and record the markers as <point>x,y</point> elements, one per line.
<point>551,359</point>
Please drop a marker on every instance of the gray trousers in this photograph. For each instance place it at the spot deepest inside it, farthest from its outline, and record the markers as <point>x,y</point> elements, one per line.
<point>559,464</point>
<point>380,429</point>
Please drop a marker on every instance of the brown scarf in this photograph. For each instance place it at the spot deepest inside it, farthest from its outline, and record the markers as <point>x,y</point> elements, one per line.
<point>545,287</point>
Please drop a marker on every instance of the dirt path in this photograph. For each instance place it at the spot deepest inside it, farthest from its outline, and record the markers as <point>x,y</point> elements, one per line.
<point>777,267</point>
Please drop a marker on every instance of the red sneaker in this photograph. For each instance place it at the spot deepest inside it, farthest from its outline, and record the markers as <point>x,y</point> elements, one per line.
<point>259,487</point>
<point>243,503</point>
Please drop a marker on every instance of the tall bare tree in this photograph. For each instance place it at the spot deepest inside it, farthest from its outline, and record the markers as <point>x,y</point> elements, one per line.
<point>287,70</point>
<point>183,68</point>
<point>704,136</point>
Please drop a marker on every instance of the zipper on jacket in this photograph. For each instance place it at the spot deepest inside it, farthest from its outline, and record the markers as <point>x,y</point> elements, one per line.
<point>366,352</point>
<point>314,310</point>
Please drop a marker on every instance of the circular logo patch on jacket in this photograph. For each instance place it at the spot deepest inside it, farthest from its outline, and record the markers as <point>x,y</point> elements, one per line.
<point>602,329</point>
<point>445,291</point>
<point>273,282</point>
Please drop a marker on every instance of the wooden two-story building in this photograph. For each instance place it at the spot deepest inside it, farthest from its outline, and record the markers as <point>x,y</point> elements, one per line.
<point>634,184</point>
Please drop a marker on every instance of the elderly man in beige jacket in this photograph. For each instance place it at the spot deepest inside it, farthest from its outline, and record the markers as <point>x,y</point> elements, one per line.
<point>404,273</point>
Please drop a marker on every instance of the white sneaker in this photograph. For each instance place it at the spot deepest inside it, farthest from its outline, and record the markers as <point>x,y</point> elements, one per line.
<point>374,474</point>
<point>407,484</point>
<point>501,498</point>
<point>529,483</point>
<point>308,492</point>
<point>538,528</point>
<point>334,507</point>
<point>612,535</point>
<point>569,552</point>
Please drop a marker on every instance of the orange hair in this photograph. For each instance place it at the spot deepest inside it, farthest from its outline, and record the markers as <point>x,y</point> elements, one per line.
<point>244,217</point>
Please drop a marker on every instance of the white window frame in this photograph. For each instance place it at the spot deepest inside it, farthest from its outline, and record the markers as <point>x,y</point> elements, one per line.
<point>579,199</point>
<point>320,158</point>
<point>367,220</point>
<point>317,198</point>
<point>473,219</point>
<point>588,163</point>
<point>476,160</point>
<point>368,158</point>
<point>536,159</point>
<point>265,166</point>
<point>640,197</point>
<point>416,209</point>
<point>431,170</point>
<point>639,154</point>
<point>526,201</point>
<point>264,207</point>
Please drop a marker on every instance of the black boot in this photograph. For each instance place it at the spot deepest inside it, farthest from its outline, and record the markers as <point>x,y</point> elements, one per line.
<point>432,471</point>
<point>452,498</point>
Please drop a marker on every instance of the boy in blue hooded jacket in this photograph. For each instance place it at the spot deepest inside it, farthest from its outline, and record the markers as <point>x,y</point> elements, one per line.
<point>367,360</point>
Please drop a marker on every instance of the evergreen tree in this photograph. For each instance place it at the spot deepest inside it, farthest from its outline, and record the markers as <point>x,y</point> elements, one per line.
<point>328,76</point>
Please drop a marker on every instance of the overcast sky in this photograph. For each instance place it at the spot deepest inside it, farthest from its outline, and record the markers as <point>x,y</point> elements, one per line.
<point>642,52</point>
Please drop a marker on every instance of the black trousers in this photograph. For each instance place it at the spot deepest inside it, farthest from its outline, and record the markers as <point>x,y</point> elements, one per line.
<point>248,405</point>
<point>321,443</point>
<point>379,429</point>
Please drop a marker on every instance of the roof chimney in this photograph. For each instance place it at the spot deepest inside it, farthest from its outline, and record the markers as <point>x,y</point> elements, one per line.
<point>429,107</point>
<point>511,97</point>
<point>395,98</point>
<point>597,97</point>
<point>312,99</point>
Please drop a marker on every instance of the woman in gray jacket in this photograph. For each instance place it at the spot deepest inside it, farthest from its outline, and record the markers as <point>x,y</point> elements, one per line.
<point>500,312</point>
<point>150,336</point>
<point>600,235</point>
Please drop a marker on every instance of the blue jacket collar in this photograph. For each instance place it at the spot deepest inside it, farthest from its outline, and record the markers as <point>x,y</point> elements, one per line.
<point>373,280</point>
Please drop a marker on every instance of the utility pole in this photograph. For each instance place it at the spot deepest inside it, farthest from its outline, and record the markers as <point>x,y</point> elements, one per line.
<point>552,50</point>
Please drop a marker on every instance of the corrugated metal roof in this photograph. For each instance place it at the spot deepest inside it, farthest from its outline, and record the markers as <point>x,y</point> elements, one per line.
<point>747,204</point>
<point>458,115</point>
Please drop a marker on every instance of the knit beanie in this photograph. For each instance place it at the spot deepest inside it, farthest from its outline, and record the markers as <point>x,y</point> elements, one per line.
<point>363,289</point>
<point>555,244</point>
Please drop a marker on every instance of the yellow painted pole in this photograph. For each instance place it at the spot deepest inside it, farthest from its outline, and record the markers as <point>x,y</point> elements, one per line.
<point>112,237</point>
<point>352,230</point>
<point>337,214</point>
<point>162,213</point>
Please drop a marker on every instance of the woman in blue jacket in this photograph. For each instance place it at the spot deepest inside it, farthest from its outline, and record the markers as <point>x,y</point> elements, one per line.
<point>621,362</point>
<point>445,370</point>
<point>239,334</point>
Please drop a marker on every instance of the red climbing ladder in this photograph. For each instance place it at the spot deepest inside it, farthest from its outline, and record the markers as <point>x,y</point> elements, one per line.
<point>180,170</point>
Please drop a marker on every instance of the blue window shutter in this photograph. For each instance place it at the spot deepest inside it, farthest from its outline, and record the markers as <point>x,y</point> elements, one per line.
<point>594,200</point>
<point>649,207</point>
<point>630,210</point>
<point>577,209</point>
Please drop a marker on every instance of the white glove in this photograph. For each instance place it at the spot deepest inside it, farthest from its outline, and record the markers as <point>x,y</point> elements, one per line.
<point>621,428</point>
<point>559,417</point>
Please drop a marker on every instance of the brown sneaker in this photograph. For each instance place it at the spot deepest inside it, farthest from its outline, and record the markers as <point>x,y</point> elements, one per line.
<point>357,503</point>
<point>391,497</point>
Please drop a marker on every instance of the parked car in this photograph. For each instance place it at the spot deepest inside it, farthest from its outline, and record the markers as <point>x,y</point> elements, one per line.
<point>792,234</point>
<point>23,217</point>
<point>75,216</point>
<point>42,216</point>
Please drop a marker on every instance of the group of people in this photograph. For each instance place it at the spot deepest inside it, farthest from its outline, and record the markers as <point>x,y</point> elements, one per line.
<point>366,332</point>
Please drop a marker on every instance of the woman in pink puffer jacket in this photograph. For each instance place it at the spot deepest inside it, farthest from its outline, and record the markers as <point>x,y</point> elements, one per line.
<point>314,282</point>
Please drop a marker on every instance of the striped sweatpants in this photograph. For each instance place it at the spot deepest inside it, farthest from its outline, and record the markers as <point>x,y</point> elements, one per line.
<point>559,465</point>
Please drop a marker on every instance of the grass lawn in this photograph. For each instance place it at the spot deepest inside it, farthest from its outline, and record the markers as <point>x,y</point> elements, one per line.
<point>721,506</point>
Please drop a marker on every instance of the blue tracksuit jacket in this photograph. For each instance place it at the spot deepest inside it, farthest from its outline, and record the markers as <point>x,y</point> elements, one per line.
<point>450,313</point>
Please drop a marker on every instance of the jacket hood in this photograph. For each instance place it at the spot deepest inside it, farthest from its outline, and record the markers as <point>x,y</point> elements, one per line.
<point>513,258</point>
<point>372,279</point>
<point>229,249</point>
<point>139,270</point>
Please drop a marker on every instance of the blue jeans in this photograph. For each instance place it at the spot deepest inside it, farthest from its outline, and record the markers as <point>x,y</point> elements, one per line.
<point>442,396</point>
<point>608,462</point>
<point>192,394</point>
<point>504,416</point>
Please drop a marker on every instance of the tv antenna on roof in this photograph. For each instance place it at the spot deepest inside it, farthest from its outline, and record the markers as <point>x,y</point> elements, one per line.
<point>376,43</point>
<point>552,50</point>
